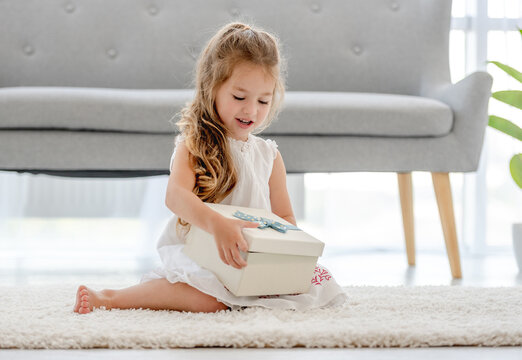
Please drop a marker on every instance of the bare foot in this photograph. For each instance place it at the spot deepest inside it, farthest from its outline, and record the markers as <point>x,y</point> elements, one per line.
<point>87,300</point>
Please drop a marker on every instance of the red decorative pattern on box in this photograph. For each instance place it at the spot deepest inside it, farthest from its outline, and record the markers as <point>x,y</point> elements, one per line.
<point>320,276</point>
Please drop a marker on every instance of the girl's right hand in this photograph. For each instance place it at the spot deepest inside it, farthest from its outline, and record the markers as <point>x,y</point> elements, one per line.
<point>229,239</point>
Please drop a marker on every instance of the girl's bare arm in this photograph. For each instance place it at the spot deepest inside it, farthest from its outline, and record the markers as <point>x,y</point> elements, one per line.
<point>279,198</point>
<point>181,200</point>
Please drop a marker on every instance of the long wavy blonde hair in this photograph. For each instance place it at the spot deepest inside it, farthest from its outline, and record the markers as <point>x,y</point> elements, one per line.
<point>204,132</point>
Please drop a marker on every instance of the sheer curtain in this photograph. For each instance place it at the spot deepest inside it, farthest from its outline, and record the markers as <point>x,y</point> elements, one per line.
<point>13,194</point>
<point>494,202</point>
<point>53,225</point>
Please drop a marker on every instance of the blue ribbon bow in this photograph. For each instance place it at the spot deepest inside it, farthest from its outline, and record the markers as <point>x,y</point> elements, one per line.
<point>265,222</point>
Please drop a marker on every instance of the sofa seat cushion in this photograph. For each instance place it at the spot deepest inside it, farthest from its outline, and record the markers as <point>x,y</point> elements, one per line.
<point>366,114</point>
<point>149,111</point>
<point>98,109</point>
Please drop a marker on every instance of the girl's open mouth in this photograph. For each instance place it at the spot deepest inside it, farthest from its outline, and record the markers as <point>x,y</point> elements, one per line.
<point>244,124</point>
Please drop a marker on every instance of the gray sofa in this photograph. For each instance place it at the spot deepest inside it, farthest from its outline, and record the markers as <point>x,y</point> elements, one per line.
<point>87,88</point>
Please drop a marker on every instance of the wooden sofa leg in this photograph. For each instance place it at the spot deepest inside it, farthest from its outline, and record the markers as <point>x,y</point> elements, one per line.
<point>442,187</point>
<point>406,196</point>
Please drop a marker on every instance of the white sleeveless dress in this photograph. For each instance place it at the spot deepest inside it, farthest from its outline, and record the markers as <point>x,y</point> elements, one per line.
<point>253,159</point>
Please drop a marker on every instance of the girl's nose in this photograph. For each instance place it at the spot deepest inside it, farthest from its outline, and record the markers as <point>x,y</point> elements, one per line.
<point>250,108</point>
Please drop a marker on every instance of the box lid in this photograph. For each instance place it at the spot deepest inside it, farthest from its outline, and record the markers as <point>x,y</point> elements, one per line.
<point>269,240</point>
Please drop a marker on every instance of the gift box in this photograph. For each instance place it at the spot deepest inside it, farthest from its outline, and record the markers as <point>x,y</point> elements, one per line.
<point>280,260</point>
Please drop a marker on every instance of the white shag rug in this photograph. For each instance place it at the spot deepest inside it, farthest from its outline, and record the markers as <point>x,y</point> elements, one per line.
<point>41,317</point>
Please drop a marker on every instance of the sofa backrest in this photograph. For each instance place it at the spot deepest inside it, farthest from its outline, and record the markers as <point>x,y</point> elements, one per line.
<point>388,46</point>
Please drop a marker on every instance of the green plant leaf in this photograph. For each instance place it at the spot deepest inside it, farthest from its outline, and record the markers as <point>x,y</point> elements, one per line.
<point>515,167</point>
<point>506,126</point>
<point>509,70</point>
<point>510,97</point>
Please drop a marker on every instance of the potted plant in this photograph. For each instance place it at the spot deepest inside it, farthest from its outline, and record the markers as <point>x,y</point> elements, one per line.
<point>513,98</point>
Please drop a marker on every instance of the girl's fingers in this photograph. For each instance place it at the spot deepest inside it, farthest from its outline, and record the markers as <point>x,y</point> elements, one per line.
<point>250,224</point>
<point>222,255</point>
<point>232,261</point>
<point>242,245</point>
<point>238,260</point>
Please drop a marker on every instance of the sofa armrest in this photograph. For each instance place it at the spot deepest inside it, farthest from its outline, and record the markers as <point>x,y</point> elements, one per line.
<point>468,100</point>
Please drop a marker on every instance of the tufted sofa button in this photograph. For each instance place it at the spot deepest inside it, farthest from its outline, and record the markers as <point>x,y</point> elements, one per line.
<point>357,49</point>
<point>153,10</point>
<point>112,53</point>
<point>234,11</point>
<point>28,49</point>
<point>316,7</point>
<point>394,5</point>
<point>69,7</point>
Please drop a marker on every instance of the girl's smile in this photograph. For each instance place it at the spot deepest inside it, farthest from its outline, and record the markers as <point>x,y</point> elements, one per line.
<point>244,100</point>
<point>244,123</point>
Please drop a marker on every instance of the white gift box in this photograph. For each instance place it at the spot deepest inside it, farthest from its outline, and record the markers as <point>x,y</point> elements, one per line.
<point>278,263</point>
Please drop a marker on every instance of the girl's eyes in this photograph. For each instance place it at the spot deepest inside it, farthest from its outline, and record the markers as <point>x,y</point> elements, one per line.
<point>262,102</point>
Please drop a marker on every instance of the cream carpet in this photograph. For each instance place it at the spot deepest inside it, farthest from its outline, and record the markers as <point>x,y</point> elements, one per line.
<point>42,317</point>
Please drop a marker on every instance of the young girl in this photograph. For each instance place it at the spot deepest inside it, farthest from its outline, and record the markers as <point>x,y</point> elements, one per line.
<point>217,159</point>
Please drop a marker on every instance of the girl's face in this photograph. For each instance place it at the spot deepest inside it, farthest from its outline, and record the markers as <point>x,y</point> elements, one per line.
<point>244,100</point>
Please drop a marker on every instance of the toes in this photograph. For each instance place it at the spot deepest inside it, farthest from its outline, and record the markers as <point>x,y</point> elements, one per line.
<point>85,307</point>
<point>84,310</point>
<point>82,290</point>
<point>78,298</point>
<point>82,305</point>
